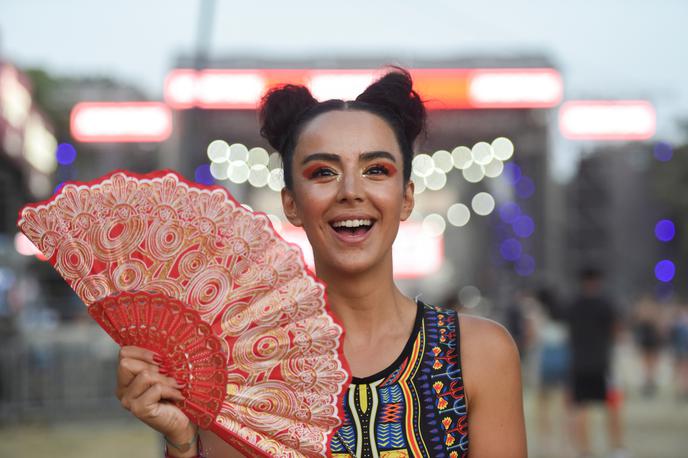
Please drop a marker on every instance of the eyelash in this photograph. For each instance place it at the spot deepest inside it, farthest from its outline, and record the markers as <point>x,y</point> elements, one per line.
<point>320,173</point>
<point>326,172</point>
<point>383,168</point>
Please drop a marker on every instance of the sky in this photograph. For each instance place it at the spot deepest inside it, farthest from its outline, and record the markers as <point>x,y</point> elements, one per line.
<point>632,49</point>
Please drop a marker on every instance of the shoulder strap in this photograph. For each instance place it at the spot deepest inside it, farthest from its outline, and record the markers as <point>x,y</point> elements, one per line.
<point>457,328</point>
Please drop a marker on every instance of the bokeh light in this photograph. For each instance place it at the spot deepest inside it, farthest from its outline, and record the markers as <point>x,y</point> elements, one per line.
<point>494,168</point>
<point>663,151</point>
<point>219,170</point>
<point>482,153</point>
<point>525,187</point>
<point>665,270</point>
<point>258,156</point>
<point>510,249</point>
<point>470,296</point>
<point>65,153</point>
<point>434,225</point>
<point>423,165</point>
<point>419,183</point>
<point>238,152</point>
<point>483,203</point>
<point>458,215</point>
<point>665,230</point>
<point>275,161</point>
<point>502,148</point>
<point>258,175</point>
<point>523,226</point>
<point>218,151</point>
<point>509,211</point>
<point>436,180</point>
<point>461,156</point>
<point>512,172</point>
<point>525,265</point>
<point>202,175</point>
<point>473,173</point>
<point>443,160</point>
<point>238,172</point>
<point>276,179</point>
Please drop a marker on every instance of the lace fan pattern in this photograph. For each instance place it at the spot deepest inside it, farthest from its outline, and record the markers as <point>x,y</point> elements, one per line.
<point>186,271</point>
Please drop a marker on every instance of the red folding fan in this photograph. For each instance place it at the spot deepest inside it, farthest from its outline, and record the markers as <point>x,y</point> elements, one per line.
<point>184,270</point>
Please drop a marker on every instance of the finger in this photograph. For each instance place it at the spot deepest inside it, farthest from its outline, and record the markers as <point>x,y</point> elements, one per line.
<point>148,403</point>
<point>133,352</point>
<point>145,380</point>
<point>128,369</point>
<point>159,392</point>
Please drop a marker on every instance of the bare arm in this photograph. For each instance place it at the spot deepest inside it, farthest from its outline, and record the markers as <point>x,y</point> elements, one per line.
<point>492,379</point>
<point>148,395</point>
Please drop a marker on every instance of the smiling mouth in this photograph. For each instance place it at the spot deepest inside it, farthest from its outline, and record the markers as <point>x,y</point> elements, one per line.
<point>353,226</point>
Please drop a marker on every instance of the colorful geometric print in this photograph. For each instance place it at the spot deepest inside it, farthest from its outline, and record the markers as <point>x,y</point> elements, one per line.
<point>417,406</point>
<point>448,386</point>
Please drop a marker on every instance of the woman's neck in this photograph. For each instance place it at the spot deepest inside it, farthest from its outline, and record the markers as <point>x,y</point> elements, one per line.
<point>369,304</point>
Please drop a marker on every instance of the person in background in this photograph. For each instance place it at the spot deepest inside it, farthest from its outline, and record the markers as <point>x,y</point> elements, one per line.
<point>551,351</point>
<point>593,327</point>
<point>679,344</point>
<point>648,336</point>
<point>515,319</point>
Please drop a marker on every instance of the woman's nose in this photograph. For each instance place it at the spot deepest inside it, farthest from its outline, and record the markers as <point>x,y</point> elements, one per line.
<point>350,186</point>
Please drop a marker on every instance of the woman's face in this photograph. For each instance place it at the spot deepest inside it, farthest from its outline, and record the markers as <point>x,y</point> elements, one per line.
<point>348,190</point>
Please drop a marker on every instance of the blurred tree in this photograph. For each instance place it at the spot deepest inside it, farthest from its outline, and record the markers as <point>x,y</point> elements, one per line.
<point>43,88</point>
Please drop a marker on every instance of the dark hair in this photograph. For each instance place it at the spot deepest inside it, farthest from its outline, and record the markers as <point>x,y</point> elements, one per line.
<point>286,109</point>
<point>590,273</point>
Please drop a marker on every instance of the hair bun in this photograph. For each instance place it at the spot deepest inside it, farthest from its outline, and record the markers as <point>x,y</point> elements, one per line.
<point>279,108</point>
<point>394,91</point>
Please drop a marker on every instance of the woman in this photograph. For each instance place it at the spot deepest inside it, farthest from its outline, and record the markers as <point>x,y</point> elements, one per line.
<point>347,173</point>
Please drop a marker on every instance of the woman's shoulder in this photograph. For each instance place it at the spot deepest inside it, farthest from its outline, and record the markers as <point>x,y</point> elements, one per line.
<point>492,386</point>
<point>479,337</point>
<point>488,353</point>
<point>485,333</point>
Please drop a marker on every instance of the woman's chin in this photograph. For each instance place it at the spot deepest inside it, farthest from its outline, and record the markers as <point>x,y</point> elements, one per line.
<point>348,265</point>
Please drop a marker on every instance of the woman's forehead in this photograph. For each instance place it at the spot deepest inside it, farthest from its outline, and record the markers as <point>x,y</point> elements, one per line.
<point>344,132</point>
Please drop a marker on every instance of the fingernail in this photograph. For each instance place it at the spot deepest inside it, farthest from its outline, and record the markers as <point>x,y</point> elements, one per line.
<point>163,371</point>
<point>157,359</point>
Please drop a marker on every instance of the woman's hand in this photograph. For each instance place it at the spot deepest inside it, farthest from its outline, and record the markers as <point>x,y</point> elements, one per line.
<point>148,394</point>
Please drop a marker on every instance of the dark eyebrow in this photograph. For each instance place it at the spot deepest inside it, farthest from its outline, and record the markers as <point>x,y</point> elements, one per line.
<point>328,157</point>
<point>370,155</point>
<point>367,156</point>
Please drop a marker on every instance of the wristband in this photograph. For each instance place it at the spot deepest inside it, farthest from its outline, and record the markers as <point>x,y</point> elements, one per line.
<point>185,446</point>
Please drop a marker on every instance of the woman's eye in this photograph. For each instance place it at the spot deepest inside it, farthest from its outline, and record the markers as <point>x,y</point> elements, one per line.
<point>377,170</point>
<point>322,172</point>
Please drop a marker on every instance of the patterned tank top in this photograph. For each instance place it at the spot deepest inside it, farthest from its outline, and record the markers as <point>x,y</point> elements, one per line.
<point>417,406</point>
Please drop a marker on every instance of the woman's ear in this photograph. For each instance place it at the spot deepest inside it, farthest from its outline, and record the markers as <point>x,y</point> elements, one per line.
<point>409,200</point>
<point>289,207</point>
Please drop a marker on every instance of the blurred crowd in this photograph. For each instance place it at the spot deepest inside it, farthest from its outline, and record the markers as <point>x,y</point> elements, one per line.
<point>571,352</point>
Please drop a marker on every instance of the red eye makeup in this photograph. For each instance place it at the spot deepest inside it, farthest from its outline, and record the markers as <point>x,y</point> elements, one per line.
<point>317,170</point>
<point>387,169</point>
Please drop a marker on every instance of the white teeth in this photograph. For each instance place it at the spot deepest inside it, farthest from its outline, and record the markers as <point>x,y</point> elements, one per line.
<point>352,223</point>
